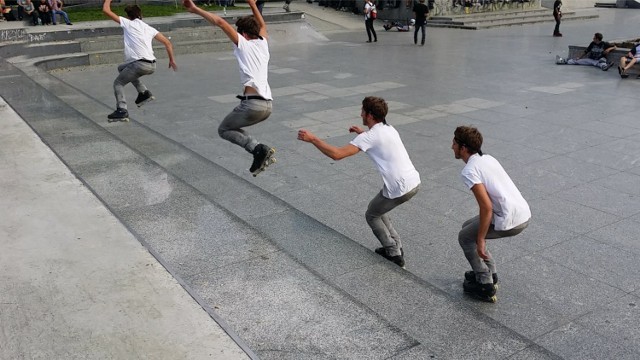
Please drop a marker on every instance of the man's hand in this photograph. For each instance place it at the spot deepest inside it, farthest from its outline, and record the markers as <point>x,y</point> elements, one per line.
<point>173,65</point>
<point>480,243</point>
<point>305,135</point>
<point>356,129</point>
<point>189,5</point>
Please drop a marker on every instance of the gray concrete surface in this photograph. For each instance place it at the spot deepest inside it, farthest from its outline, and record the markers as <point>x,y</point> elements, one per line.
<point>74,282</point>
<point>286,258</point>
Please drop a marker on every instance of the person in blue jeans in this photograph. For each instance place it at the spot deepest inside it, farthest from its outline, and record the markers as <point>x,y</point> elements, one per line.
<point>139,57</point>
<point>56,8</point>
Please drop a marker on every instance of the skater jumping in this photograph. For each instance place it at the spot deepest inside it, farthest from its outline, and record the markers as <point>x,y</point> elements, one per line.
<point>503,212</point>
<point>385,148</point>
<point>139,58</point>
<point>251,50</point>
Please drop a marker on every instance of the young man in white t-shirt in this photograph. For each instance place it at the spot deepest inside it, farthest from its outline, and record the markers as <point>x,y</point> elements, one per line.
<point>385,148</point>
<point>252,52</point>
<point>503,212</point>
<point>138,57</point>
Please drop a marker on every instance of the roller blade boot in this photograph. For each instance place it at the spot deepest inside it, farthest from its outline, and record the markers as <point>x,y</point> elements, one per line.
<point>144,97</point>
<point>398,259</point>
<point>262,158</point>
<point>484,292</point>
<point>471,277</point>
<point>118,115</point>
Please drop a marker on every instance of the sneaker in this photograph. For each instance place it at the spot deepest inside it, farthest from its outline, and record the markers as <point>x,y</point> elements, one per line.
<point>607,65</point>
<point>557,34</point>
<point>471,277</point>
<point>119,114</point>
<point>144,97</point>
<point>398,259</point>
<point>261,153</point>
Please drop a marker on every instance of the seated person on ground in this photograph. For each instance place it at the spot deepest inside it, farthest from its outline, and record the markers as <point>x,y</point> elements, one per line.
<point>626,62</point>
<point>27,9</point>
<point>596,54</point>
<point>5,14</point>
<point>44,12</point>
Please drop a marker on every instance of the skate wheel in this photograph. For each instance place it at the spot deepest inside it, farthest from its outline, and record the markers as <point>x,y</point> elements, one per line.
<point>493,299</point>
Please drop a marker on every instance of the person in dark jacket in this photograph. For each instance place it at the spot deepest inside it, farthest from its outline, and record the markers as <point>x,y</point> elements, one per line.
<point>557,14</point>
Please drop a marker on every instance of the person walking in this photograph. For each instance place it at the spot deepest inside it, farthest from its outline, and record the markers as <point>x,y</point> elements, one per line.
<point>401,179</point>
<point>251,50</point>
<point>503,212</point>
<point>557,15</point>
<point>139,58</point>
<point>370,14</point>
<point>420,14</point>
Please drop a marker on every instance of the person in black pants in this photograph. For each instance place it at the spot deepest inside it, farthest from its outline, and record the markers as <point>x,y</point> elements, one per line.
<point>369,9</point>
<point>420,13</point>
<point>557,14</point>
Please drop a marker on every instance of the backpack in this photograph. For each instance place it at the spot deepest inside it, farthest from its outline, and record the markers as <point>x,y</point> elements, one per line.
<point>373,13</point>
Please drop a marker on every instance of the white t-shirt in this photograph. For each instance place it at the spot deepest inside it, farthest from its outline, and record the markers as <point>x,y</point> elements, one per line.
<point>253,59</point>
<point>137,40</point>
<point>510,209</point>
<point>368,6</point>
<point>383,145</point>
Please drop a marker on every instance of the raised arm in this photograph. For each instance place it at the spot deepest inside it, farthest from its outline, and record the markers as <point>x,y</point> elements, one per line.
<point>214,19</point>
<point>258,16</point>
<point>106,9</point>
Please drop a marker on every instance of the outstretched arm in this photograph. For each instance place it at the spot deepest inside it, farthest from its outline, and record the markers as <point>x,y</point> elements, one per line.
<point>167,44</point>
<point>258,16</point>
<point>214,19</point>
<point>334,152</point>
<point>106,9</point>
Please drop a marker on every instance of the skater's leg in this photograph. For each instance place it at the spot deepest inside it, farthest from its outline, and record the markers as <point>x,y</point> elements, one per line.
<point>382,228</point>
<point>467,239</point>
<point>249,112</point>
<point>392,231</point>
<point>126,74</point>
<point>424,31</point>
<point>143,68</point>
<point>415,34</point>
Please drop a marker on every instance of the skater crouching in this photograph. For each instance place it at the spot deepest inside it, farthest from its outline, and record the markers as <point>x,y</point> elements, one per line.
<point>251,50</point>
<point>503,212</point>
<point>139,57</point>
<point>401,180</point>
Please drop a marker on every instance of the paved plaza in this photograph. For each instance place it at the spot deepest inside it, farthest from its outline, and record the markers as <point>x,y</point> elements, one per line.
<point>284,261</point>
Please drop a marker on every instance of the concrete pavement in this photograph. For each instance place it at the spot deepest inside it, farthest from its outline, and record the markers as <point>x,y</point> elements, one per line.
<point>286,258</point>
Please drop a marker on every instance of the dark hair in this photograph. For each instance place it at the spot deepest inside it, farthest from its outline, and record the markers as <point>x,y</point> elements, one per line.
<point>469,137</point>
<point>248,25</point>
<point>598,36</point>
<point>133,12</point>
<point>377,107</point>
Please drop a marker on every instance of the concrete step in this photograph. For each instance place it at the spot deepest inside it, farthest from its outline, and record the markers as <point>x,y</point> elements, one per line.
<point>478,23</point>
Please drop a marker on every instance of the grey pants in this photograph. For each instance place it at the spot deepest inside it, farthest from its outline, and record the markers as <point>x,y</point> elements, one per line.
<point>380,223</point>
<point>249,112</point>
<point>467,239</point>
<point>131,73</point>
